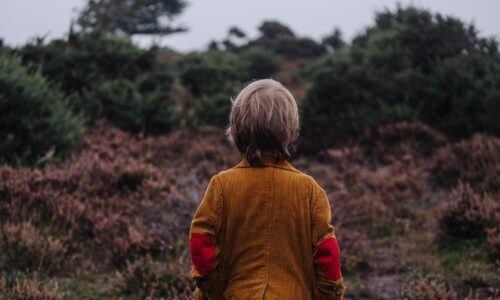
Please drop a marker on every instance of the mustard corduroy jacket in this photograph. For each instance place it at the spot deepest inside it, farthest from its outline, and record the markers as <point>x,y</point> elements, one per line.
<point>265,233</point>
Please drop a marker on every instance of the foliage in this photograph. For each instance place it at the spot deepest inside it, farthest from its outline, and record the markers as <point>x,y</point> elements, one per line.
<point>214,109</point>
<point>147,278</point>
<point>468,215</point>
<point>428,288</point>
<point>88,67</point>
<point>83,200</point>
<point>411,65</point>
<point>275,30</point>
<point>112,219</point>
<point>105,205</point>
<point>25,248</point>
<point>36,120</point>
<point>280,39</point>
<point>259,63</point>
<point>476,161</point>
<point>27,289</point>
<point>212,79</point>
<point>126,107</point>
<point>334,41</point>
<point>493,240</point>
<point>131,17</point>
<point>121,208</point>
<point>112,207</point>
<point>400,139</point>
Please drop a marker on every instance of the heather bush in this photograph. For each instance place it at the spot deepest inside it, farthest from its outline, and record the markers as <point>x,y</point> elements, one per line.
<point>27,289</point>
<point>147,278</point>
<point>399,139</point>
<point>493,242</point>
<point>25,248</point>
<point>106,197</point>
<point>398,182</point>
<point>476,160</point>
<point>428,288</point>
<point>122,204</point>
<point>425,287</point>
<point>468,214</point>
<point>109,203</point>
<point>365,209</point>
<point>36,120</point>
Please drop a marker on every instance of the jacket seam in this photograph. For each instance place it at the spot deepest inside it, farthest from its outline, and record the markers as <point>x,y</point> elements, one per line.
<point>313,207</point>
<point>220,206</point>
<point>268,166</point>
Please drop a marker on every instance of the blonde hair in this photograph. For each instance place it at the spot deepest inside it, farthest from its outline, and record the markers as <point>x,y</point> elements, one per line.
<point>264,119</point>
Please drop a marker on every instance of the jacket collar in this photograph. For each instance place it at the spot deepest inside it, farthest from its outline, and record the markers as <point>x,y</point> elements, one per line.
<point>269,161</point>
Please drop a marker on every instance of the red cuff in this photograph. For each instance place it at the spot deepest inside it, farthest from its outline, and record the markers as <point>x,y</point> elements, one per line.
<point>328,258</point>
<point>202,253</point>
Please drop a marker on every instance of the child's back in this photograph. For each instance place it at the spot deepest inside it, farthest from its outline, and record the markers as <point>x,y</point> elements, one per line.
<point>263,231</point>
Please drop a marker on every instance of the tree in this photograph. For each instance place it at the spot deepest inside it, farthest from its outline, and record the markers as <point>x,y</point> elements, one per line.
<point>412,65</point>
<point>237,32</point>
<point>281,40</point>
<point>91,68</point>
<point>235,37</point>
<point>132,16</point>
<point>274,30</point>
<point>260,63</point>
<point>36,123</point>
<point>335,40</point>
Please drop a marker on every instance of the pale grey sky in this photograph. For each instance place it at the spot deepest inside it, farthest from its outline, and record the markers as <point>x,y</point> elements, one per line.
<point>21,20</point>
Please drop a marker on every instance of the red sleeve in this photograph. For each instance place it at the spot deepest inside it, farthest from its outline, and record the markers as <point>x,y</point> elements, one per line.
<point>202,253</point>
<point>203,242</point>
<point>328,258</point>
<point>330,284</point>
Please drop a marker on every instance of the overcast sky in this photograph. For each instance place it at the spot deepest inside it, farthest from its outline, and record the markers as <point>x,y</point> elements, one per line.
<point>21,20</point>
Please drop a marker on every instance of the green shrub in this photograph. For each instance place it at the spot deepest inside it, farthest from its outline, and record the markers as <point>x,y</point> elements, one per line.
<point>85,59</point>
<point>214,110</point>
<point>35,118</point>
<point>280,39</point>
<point>260,63</point>
<point>210,73</point>
<point>410,66</point>
<point>399,139</point>
<point>81,65</point>
<point>212,79</point>
<point>122,103</point>
<point>296,48</point>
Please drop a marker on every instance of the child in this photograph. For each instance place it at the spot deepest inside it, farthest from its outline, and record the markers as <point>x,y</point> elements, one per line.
<point>262,230</point>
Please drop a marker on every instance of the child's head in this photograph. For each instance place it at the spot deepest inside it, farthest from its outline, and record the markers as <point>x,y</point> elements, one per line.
<point>264,119</point>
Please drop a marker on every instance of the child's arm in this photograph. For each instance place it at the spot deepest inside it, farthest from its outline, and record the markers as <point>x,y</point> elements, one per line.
<point>203,239</point>
<point>326,250</point>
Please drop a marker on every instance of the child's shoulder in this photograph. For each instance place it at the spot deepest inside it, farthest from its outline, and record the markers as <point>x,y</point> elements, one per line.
<point>285,169</point>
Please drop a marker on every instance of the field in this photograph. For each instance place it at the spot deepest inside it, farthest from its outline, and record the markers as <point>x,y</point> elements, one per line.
<point>112,221</point>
